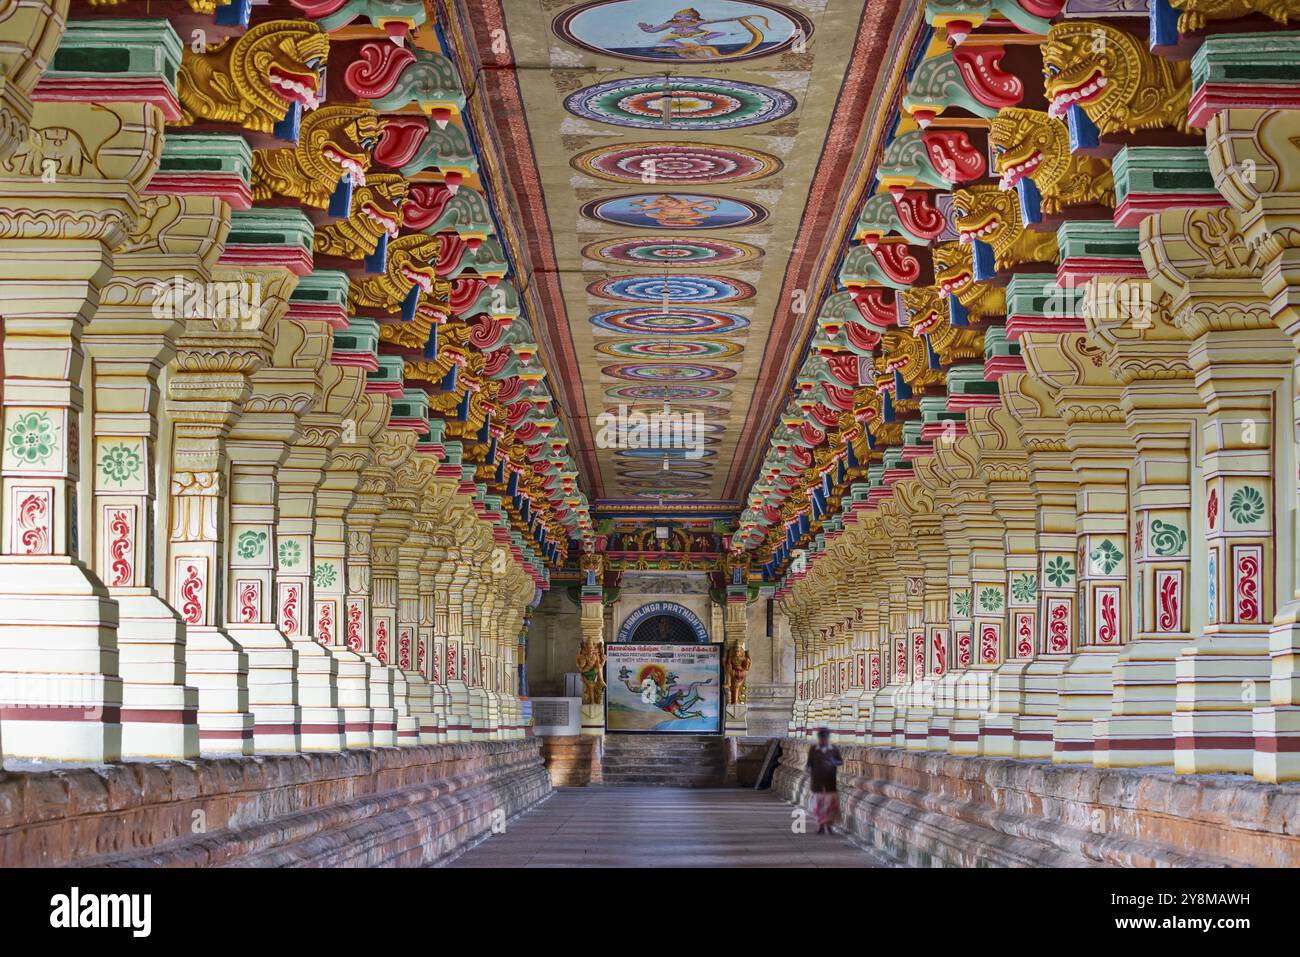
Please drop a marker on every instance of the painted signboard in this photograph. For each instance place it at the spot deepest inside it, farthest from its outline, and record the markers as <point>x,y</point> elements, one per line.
<point>663,688</point>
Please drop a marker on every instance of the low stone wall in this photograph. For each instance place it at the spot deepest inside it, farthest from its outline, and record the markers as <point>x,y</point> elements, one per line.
<point>364,808</point>
<point>931,809</point>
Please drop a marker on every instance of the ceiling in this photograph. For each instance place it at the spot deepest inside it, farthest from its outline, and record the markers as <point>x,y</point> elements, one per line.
<point>680,181</point>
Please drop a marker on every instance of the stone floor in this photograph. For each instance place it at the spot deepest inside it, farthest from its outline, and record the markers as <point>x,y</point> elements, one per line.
<point>653,827</point>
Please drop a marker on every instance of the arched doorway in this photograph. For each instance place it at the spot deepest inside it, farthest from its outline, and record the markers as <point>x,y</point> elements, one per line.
<point>662,629</point>
<point>663,622</point>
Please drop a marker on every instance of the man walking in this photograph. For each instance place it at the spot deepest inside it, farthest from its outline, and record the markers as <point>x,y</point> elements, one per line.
<point>823,759</point>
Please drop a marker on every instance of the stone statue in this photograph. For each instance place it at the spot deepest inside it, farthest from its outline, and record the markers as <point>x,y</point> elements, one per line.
<point>591,665</point>
<point>736,567</point>
<point>738,664</point>
<point>593,568</point>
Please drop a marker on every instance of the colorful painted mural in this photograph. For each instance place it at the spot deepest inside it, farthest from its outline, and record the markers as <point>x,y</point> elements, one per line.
<point>669,253</point>
<point>680,164</point>
<point>683,104</point>
<point>675,211</point>
<point>659,30</point>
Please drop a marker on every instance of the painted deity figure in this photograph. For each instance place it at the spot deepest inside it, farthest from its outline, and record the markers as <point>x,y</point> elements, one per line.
<point>688,35</point>
<point>676,210</point>
<point>655,687</point>
<point>591,665</point>
<point>738,664</point>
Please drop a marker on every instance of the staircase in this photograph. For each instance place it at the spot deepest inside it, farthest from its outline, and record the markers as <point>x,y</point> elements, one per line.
<point>665,760</point>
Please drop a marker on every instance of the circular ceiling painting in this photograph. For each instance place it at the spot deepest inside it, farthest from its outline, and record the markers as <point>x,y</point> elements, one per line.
<point>711,31</point>
<point>677,321</point>
<point>667,393</point>
<point>655,251</point>
<point>675,211</point>
<point>668,372</point>
<point>658,473</point>
<point>679,103</point>
<point>674,454</point>
<point>675,164</point>
<point>672,289</point>
<point>669,349</point>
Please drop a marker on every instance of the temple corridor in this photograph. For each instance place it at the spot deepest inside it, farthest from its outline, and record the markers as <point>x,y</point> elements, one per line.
<point>657,827</point>
<point>517,432</point>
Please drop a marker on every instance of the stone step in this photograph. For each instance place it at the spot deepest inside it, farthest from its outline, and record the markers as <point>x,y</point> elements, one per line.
<point>644,770</point>
<point>647,780</point>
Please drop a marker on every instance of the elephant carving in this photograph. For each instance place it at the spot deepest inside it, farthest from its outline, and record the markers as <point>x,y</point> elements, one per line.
<point>56,144</point>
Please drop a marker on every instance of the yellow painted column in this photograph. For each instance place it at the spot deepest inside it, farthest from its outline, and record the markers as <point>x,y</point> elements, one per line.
<point>129,340</point>
<point>60,689</point>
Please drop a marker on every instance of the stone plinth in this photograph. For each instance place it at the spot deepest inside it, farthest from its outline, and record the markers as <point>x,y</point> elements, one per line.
<point>941,810</point>
<point>362,808</point>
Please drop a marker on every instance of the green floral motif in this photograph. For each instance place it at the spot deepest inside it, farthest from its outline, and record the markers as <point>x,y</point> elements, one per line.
<point>990,599</point>
<point>1024,588</point>
<point>1059,572</point>
<point>1167,538</point>
<point>31,438</point>
<point>250,544</point>
<point>1107,555</point>
<point>290,554</point>
<point>325,575</point>
<point>1246,505</point>
<point>961,603</point>
<point>120,464</point>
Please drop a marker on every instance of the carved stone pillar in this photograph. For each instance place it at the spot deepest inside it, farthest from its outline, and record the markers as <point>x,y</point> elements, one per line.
<point>460,720</point>
<point>1243,367</point>
<point>132,336</point>
<point>391,532</point>
<point>1006,469</point>
<point>283,391</point>
<point>591,658</point>
<point>1163,412</point>
<point>1255,158</point>
<point>361,416</point>
<point>59,687</point>
<point>1055,494</point>
<point>736,658</point>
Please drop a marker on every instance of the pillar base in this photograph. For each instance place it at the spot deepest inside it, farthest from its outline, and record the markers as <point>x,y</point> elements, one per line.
<point>217,667</point>
<point>1221,680</point>
<point>159,711</point>
<point>1277,744</point>
<point>593,720</point>
<point>1085,696</point>
<point>71,710</point>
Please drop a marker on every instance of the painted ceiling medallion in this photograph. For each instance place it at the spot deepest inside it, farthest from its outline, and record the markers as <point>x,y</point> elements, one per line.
<point>675,164</point>
<point>658,474</point>
<point>659,30</point>
<point>667,393</point>
<point>675,211</point>
<point>679,103</point>
<point>674,454</point>
<point>669,349</point>
<point>673,289</point>
<point>674,322</point>
<point>667,372</point>
<point>654,251</point>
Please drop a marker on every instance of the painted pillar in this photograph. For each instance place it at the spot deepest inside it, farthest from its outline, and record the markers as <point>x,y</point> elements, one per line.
<point>129,341</point>
<point>1164,415</point>
<point>257,446</point>
<point>356,417</point>
<point>591,658</point>
<point>68,706</point>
